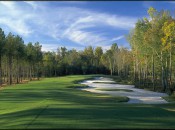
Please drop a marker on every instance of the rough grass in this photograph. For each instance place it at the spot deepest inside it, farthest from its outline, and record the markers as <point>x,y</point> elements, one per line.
<point>53,103</point>
<point>170,98</point>
<point>120,80</point>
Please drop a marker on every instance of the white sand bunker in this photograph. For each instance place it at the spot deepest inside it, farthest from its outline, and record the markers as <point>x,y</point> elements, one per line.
<point>135,96</point>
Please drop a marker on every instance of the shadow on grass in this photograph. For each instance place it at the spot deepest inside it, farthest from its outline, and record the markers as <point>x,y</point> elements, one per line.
<point>66,107</point>
<point>90,116</point>
<point>71,95</point>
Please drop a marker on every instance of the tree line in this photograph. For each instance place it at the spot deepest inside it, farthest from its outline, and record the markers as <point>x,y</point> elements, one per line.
<point>153,51</point>
<point>88,61</point>
<point>20,62</point>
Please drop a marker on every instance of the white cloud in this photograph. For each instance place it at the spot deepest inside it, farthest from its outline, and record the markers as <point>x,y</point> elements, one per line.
<point>74,31</point>
<point>8,4</point>
<point>117,38</point>
<point>17,26</point>
<point>14,19</point>
<point>116,21</point>
<point>49,47</point>
<point>105,48</point>
<point>85,38</point>
<point>71,23</point>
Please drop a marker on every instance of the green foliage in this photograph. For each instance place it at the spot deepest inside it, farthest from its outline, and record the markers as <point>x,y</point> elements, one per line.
<point>169,32</point>
<point>2,41</point>
<point>30,52</point>
<point>10,46</point>
<point>152,51</point>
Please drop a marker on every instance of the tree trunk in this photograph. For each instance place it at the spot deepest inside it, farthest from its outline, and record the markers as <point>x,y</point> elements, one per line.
<point>20,74</point>
<point>30,73</point>
<point>139,75</point>
<point>24,73</point>
<point>134,70</point>
<point>163,73</point>
<point>17,72</point>
<point>170,69</point>
<point>153,73</point>
<point>146,72</point>
<point>55,72</point>
<point>110,66</point>
<point>166,74</point>
<point>10,71</point>
<point>6,73</point>
<point>111,72</point>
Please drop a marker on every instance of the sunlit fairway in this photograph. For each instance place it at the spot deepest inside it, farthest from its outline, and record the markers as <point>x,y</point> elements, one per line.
<point>57,103</point>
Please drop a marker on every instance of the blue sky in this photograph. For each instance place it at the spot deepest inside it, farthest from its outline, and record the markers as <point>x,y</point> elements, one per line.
<point>75,24</point>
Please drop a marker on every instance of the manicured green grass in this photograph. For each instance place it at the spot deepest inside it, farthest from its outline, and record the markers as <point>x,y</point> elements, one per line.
<point>57,103</point>
<point>114,89</point>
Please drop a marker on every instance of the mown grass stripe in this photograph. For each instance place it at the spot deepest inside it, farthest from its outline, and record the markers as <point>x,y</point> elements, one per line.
<point>35,118</point>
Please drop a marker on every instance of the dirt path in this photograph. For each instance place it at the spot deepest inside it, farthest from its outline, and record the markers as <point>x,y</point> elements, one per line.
<point>136,96</point>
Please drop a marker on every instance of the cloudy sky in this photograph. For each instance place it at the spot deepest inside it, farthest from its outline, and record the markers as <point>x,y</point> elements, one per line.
<point>74,24</point>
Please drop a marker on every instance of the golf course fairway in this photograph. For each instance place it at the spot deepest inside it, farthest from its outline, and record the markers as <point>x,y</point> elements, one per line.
<point>57,103</point>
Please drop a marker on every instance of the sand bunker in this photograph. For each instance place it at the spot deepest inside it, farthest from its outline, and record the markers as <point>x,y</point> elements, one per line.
<point>136,96</point>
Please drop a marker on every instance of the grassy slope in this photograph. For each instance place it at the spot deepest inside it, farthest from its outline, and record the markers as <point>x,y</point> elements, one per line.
<point>54,103</point>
